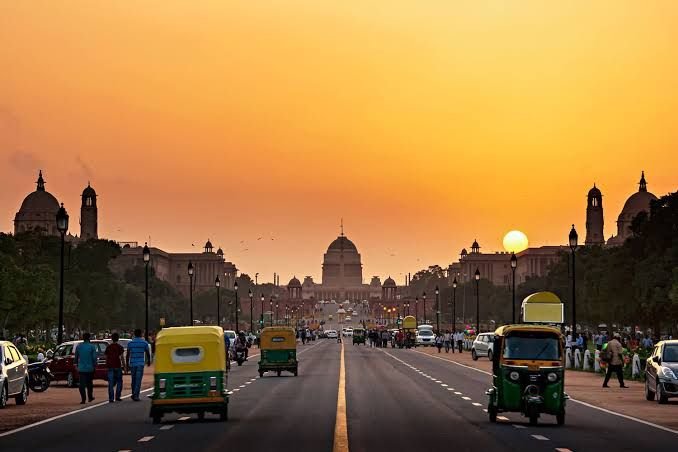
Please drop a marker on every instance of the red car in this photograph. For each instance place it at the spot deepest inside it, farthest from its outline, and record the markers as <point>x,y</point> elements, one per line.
<point>63,362</point>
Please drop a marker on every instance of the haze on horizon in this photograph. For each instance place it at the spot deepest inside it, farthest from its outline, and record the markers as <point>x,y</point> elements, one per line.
<point>424,125</point>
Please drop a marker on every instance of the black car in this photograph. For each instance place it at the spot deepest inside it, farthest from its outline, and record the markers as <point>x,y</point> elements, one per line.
<point>661,372</point>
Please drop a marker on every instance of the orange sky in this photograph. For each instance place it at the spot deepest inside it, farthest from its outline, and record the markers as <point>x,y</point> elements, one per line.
<point>424,124</point>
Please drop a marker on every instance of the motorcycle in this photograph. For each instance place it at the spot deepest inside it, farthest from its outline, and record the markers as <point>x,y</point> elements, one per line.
<point>240,356</point>
<point>39,376</point>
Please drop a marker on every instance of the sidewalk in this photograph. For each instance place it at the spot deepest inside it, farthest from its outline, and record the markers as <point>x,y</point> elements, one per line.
<point>59,399</point>
<point>587,387</point>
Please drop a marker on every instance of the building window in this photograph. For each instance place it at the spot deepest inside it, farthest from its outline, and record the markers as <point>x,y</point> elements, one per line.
<point>88,201</point>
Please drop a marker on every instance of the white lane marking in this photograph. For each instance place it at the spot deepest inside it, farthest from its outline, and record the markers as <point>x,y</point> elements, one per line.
<point>614,413</point>
<point>248,382</point>
<point>485,410</point>
<point>450,389</point>
<point>562,449</point>
<point>518,426</point>
<point>502,418</point>
<point>167,427</point>
<point>477,404</point>
<point>145,439</point>
<point>457,392</point>
<point>438,381</point>
<point>185,418</point>
<point>540,437</point>
<point>241,386</point>
<point>443,385</point>
<point>230,392</point>
<point>130,450</point>
<point>70,413</point>
<point>466,398</point>
<point>236,389</point>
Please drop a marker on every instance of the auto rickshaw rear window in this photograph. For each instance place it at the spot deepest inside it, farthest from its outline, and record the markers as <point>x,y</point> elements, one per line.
<point>278,339</point>
<point>532,345</point>
<point>187,355</point>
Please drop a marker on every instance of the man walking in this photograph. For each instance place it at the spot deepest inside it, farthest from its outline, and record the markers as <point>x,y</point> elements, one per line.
<point>447,338</point>
<point>114,362</point>
<point>616,361</point>
<point>138,353</point>
<point>86,360</point>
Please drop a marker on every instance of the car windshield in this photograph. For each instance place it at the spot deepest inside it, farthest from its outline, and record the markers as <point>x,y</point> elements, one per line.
<point>671,353</point>
<point>426,333</point>
<point>532,345</point>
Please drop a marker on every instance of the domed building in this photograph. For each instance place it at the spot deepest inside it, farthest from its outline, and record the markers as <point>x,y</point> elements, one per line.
<point>342,266</point>
<point>38,211</point>
<point>637,202</point>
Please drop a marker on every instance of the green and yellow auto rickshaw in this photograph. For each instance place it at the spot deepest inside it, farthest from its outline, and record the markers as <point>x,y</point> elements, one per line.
<point>190,372</point>
<point>358,336</point>
<point>278,350</point>
<point>528,366</point>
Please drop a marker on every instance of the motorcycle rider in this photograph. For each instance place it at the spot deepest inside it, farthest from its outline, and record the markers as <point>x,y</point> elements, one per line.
<point>241,344</point>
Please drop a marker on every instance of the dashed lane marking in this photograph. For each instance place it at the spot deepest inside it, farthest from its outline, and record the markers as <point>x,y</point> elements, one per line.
<point>466,398</point>
<point>167,427</point>
<point>443,385</point>
<point>184,418</point>
<point>540,437</point>
<point>518,426</point>
<point>476,404</point>
<point>457,392</point>
<point>450,389</point>
<point>502,418</point>
<point>236,389</point>
<point>562,449</point>
<point>145,439</point>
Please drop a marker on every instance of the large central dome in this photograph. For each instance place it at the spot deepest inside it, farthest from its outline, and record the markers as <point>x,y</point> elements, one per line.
<point>342,267</point>
<point>37,211</point>
<point>342,243</point>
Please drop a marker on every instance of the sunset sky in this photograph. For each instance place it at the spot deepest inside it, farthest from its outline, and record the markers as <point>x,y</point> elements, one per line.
<point>423,124</point>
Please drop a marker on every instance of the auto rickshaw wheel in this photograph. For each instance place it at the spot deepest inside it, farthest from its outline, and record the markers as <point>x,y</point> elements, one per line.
<point>534,418</point>
<point>279,372</point>
<point>201,415</point>
<point>560,418</point>
<point>492,411</point>
<point>261,374</point>
<point>295,372</point>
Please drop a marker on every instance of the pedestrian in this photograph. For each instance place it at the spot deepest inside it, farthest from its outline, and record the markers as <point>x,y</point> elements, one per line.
<point>114,362</point>
<point>599,341</point>
<point>446,340</point>
<point>303,336</point>
<point>86,361</point>
<point>41,355</point>
<point>615,359</point>
<point>138,353</point>
<point>460,341</point>
<point>439,341</point>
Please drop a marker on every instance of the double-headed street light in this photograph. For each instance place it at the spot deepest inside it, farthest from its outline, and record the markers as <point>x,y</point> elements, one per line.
<point>62,227</point>
<point>477,277</point>
<point>424,297</point>
<point>261,320</point>
<point>514,265</point>
<point>573,246</point>
<point>147,258</point>
<point>437,310</point>
<point>217,284</point>
<point>190,293</point>
<point>416,310</point>
<point>407,307</point>
<point>276,313</point>
<point>249,293</point>
<point>235,288</point>
<point>454,305</point>
<point>271,309</point>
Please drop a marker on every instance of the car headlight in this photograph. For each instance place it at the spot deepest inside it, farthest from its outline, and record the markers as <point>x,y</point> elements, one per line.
<point>552,377</point>
<point>666,372</point>
<point>515,376</point>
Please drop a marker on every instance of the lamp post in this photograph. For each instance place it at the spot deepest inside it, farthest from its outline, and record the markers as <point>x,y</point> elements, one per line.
<point>424,297</point>
<point>217,284</point>
<point>573,246</point>
<point>287,315</point>
<point>62,226</point>
<point>261,321</point>
<point>190,293</point>
<point>271,310</point>
<point>477,278</point>
<point>514,265</point>
<point>407,307</point>
<point>454,305</point>
<point>249,293</point>
<point>437,310</point>
<point>416,310</point>
<point>235,288</point>
<point>147,258</point>
<point>276,313</point>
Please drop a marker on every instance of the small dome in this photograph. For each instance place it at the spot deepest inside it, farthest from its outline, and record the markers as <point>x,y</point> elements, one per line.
<point>594,192</point>
<point>464,252</point>
<point>475,244</point>
<point>220,252</point>
<point>89,192</point>
<point>294,282</point>
<point>389,282</point>
<point>342,243</point>
<point>208,244</point>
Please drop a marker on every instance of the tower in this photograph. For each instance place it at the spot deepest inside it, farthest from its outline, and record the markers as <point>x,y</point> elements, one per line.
<point>594,218</point>
<point>89,214</point>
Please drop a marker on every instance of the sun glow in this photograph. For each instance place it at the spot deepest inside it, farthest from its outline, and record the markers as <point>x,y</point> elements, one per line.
<point>515,242</point>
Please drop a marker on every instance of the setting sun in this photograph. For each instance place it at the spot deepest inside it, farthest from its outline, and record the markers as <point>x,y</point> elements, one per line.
<point>515,241</point>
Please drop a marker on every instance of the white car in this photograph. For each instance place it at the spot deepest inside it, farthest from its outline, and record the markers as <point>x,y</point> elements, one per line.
<point>13,375</point>
<point>483,346</point>
<point>347,332</point>
<point>331,334</point>
<point>425,337</point>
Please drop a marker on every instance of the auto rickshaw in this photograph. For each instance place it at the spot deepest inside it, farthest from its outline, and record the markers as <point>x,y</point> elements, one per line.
<point>358,336</point>
<point>190,372</point>
<point>528,366</point>
<point>278,350</point>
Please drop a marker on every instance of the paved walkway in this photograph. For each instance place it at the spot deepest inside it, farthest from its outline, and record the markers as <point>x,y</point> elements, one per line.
<point>587,387</point>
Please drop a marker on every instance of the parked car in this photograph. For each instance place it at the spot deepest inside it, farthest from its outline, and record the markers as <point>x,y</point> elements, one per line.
<point>425,336</point>
<point>13,375</point>
<point>483,346</point>
<point>63,362</point>
<point>331,334</point>
<point>661,372</point>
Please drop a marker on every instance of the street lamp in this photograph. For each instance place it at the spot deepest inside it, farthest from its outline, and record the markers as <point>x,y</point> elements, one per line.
<point>573,246</point>
<point>62,226</point>
<point>514,265</point>
<point>147,258</point>
<point>217,284</point>
<point>276,313</point>
<point>235,288</point>
<point>424,297</point>
<point>190,292</point>
<point>477,277</point>
<point>407,307</point>
<point>416,310</point>
<point>271,310</point>
<point>261,321</point>
<point>437,310</point>
<point>454,305</point>
<point>249,293</point>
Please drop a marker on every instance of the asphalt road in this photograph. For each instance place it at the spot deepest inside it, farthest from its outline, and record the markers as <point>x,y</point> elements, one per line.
<point>396,400</point>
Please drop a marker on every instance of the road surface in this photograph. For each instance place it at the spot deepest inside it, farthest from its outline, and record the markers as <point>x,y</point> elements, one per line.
<point>395,400</point>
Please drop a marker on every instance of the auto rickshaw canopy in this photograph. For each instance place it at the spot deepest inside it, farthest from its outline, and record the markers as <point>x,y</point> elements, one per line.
<point>543,307</point>
<point>190,349</point>
<point>506,330</point>
<point>278,338</point>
